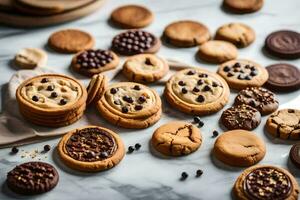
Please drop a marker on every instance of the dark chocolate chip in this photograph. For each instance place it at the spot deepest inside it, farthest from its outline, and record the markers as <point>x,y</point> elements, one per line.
<point>14,150</point>
<point>137,146</point>
<point>199,173</point>
<point>206,88</point>
<point>137,87</point>
<point>197,119</point>
<point>184,90</point>
<point>148,61</point>
<point>253,73</point>
<point>203,75</point>
<point>35,98</point>
<point>181,83</point>
<point>184,175</point>
<point>200,82</point>
<point>128,99</point>
<point>195,89</point>
<point>214,84</point>
<point>125,110</point>
<point>50,88</point>
<point>190,72</point>
<point>63,102</point>
<point>113,90</point>
<point>138,107</point>
<point>142,99</point>
<point>226,69</point>
<point>200,124</point>
<point>54,94</point>
<point>236,65</point>
<point>103,154</point>
<point>44,80</point>
<point>130,149</point>
<point>47,147</point>
<point>247,78</point>
<point>215,133</point>
<point>200,98</point>
<point>229,74</point>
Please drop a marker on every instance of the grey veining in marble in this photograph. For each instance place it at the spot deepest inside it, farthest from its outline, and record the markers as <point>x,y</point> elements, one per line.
<point>145,174</point>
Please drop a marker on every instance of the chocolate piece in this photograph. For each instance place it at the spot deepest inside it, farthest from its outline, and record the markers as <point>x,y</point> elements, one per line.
<point>125,110</point>
<point>181,83</point>
<point>91,58</point>
<point>184,175</point>
<point>130,149</point>
<point>63,102</point>
<point>113,90</point>
<point>138,107</point>
<point>128,99</point>
<point>142,99</point>
<point>203,75</point>
<point>199,173</point>
<point>184,90</point>
<point>54,94</point>
<point>295,155</point>
<point>195,89</point>
<point>14,150</point>
<point>206,88</point>
<point>32,178</point>
<point>200,98</point>
<point>200,82</point>
<point>191,72</point>
<point>44,80</point>
<point>47,147</point>
<point>137,87</point>
<point>35,98</point>
<point>137,146</point>
<point>200,124</point>
<point>215,133</point>
<point>50,88</point>
<point>87,144</point>
<point>197,119</point>
<point>226,69</point>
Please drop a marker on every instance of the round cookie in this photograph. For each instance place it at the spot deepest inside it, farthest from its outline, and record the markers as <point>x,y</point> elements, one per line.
<point>176,138</point>
<point>186,33</point>
<point>266,182</point>
<point>132,16</point>
<point>90,62</point>
<point>284,44</point>
<point>239,148</point>
<point>284,124</point>
<point>283,77</point>
<point>295,155</point>
<point>96,88</point>
<point>217,51</point>
<point>259,98</point>
<point>145,68</point>
<point>135,42</point>
<point>71,41</point>
<point>91,149</point>
<point>239,34</point>
<point>243,6</point>
<point>241,117</point>
<point>241,73</point>
<point>130,105</point>
<point>197,91</point>
<point>30,58</point>
<point>32,178</point>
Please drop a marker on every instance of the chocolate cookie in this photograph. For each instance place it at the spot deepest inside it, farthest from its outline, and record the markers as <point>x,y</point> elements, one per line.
<point>295,155</point>
<point>263,182</point>
<point>283,77</point>
<point>259,98</point>
<point>135,42</point>
<point>186,33</point>
<point>284,124</point>
<point>284,44</point>
<point>243,6</point>
<point>241,73</point>
<point>176,138</point>
<point>241,117</point>
<point>91,148</point>
<point>94,61</point>
<point>32,178</point>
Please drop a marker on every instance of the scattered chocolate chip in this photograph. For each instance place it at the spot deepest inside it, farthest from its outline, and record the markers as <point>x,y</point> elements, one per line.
<point>247,78</point>
<point>142,99</point>
<point>191,72</point>
<point>195,89</point>
<point>200,98</point>
<point>241,77</point>
<point>214,84</point>
<point>253,68</point>
<point>200,124</point>
<point>197,119</point>
<point>215,133</point>
<point>181,83</point>
<point>50,88</point>
<point>137,146</point>
<point>113,90</point>
<point>63,102</point>
<point>199,172</point>
<point>138,107</point>
<point>253,73</point>
<point>47,147</point>
<point>35,98</point>
<point>229,74</point>
<point>130,149</point>
<point>206,88</point>
<point>200,82</point>
<point>14,150</point>
<point>203,75</point>
<point>148,61</point>
<point>124,110</point>
<point>226,69</point>
<point>54,94</point>
<point>137,87</point>
<point>184,90</point>
<point>128,99</point>
<point>90,154</point>
<point>184,175</point>
<point>247,66</point>
<point>103,154</point>
<point>44,80</point>
<point>236,65</point>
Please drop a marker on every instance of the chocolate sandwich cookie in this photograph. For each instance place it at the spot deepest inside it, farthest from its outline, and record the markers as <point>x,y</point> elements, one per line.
<point>295,155</point>
<point>241,117</point>
<point>135,42</point>
<point>94,61</point>
<point>91,148</point>
<point>284,44</point>
<point>263,182</point>
<point>259,98</point>
<point>96,88</point>
<point>284,124</point>
<point>283,77</point>
<point>243,6</point>
<point>32,178</point>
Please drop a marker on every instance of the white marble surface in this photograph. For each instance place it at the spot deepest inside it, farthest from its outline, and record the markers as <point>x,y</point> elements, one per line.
<point>144,174</point>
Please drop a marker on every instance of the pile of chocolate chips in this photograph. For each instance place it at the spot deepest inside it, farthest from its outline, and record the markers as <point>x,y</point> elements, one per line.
<point>94,58</point>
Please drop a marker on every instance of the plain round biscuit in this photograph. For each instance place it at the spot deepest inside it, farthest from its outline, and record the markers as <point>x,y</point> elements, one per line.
<point>243,6</point>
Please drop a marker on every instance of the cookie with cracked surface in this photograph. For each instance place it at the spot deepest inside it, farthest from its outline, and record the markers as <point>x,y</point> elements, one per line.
<point>176,138</point>
<point>241,73</point>
<point>284,124</point>
<point>145,68</point>
<point>96,88</point>
<point>241,35</point>
<point>94,61</point>
<point>217,51</point>
<point>197,91</point>
<point>242,6</point>
<point>266,182</point>
<point>239,148</point>
<point>132,16</point>
<point>241,117</point>
<point>91,149</point>
<point>30,58</point>
<point>32,178</point>
<point>186,33</point>
<point>70,41</point>
<point>130,105</point>
<point>259,98</point>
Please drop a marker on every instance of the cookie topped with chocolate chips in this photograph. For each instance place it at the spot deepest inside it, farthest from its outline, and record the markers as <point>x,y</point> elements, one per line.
<point>241,73</point>
<point>259,98</point>
<point>135,42</point>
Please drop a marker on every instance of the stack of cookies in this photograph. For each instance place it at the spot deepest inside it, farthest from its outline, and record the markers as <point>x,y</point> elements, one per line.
<point>51,100</point>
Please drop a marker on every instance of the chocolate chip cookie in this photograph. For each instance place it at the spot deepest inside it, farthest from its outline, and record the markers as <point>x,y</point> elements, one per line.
<point>135,42</point>
<point>240,74</point>
<point>243,6</point>
<point>241,117</point>
<point>145,68</point>
<point>176,138</point>
<point>266,182</point>
<point>94,61</point>
<point>259,98</point>
<point>197,91</point>
<point>130,105</point>
<point>91,149</point>
<point>96,88</point>
<point>284,124</point>
<point>32,178</point>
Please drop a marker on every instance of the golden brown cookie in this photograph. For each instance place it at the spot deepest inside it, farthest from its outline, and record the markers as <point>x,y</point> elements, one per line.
<point>130,105</point>
<point>186,33</point>
<point>239,148</point>
<point>96,88</point>
<point>176,138</point>
<point>243,6</point>
<point>145,68</point>
<point>241,73</point>
<point>30,58</point>
<point>71,41</point>
<point>284,124</point>
<point>239,34</point>
<point>197,91</point>
<point>91,149</point>
<point>217,51</point>
<point>132,16</point>
<point>266,182</point>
